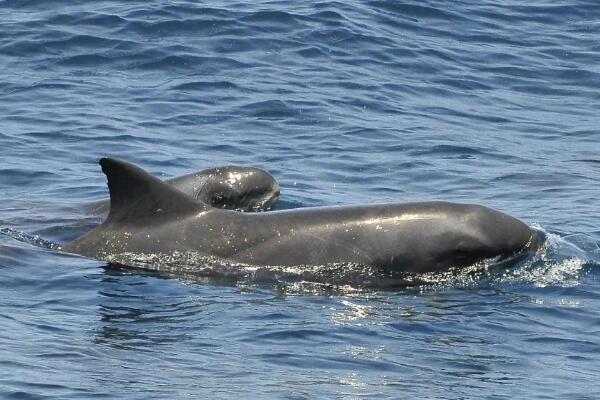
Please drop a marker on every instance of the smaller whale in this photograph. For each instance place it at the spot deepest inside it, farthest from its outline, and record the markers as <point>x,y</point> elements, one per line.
<point>229,187</point>
<point>149,216</point>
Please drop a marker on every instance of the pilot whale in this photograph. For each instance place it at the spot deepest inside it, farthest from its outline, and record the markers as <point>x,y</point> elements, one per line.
<point>231,187</point>
<point>149,216</point>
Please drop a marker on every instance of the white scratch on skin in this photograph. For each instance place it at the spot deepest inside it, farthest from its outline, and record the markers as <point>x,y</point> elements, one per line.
<point>403,217</point>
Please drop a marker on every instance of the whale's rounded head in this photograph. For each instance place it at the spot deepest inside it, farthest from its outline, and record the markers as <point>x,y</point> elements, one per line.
<point>240,188</point>
<point>484,233</point>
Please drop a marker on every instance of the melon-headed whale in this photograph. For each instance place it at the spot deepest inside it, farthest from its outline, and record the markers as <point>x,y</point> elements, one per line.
<point>231,187</point>
<point>149,216</point>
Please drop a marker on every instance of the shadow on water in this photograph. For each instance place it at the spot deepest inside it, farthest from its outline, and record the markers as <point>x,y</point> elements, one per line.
<point>136,312</point>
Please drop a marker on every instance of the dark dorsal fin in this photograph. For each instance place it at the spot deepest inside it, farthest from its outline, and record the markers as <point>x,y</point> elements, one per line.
<point>136,196</point>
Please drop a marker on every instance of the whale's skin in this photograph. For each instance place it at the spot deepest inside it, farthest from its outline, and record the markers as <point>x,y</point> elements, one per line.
<point>231,187</point>
<point>408,237</point>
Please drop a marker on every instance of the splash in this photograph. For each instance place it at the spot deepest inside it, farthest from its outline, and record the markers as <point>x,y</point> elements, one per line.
<point>30,239</point>
<point>558,262</point>
<point>195,266</point>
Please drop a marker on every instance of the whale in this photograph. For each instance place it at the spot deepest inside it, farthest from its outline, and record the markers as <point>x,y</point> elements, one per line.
<point>149,216</point>
<point>230,187</point>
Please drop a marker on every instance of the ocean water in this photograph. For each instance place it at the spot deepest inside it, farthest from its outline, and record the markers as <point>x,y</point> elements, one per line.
<point>345,103</point>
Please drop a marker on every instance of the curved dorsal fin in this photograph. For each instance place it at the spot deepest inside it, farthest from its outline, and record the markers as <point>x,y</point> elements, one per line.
<point>136,196</point>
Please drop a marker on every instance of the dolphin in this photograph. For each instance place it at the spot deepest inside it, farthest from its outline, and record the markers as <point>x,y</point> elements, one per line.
<point>231,187</point>
<point>149,216</point>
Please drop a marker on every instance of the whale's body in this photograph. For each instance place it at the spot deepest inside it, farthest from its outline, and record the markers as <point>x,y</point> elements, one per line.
<point>412,237</point>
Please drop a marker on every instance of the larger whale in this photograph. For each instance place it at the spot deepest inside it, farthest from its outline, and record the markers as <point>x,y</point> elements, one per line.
<point>148,216</point>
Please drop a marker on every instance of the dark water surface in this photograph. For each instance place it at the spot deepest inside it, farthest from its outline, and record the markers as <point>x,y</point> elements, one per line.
<point>345,103</point>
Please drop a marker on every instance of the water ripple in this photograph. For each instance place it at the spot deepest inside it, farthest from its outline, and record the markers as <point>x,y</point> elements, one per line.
<point>345,103</point>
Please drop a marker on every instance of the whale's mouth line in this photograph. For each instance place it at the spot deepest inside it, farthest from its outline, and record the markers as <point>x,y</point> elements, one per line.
<point>536,240</point>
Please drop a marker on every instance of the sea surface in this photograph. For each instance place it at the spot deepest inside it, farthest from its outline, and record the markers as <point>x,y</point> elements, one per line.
<point>355,102</point>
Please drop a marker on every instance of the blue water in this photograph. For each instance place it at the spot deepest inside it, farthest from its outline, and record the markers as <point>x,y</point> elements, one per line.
<point>345,103</point>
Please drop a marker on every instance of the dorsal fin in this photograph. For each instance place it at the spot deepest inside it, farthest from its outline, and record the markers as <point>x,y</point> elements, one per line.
<point>135,195</point>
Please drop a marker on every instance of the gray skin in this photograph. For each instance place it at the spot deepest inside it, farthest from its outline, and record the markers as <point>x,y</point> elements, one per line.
<point>411,237</point>
<point>230,187</point>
